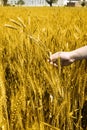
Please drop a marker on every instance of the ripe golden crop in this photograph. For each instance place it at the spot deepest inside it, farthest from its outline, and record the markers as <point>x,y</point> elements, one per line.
<point>33,94</point>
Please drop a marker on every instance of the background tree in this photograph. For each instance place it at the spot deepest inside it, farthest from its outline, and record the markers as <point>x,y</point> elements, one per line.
<point>20,2</point>
<point>5,2</point>
<point>83,3</point>
<point>50,2</point>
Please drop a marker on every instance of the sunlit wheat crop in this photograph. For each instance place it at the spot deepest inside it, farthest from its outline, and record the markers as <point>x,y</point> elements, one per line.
<point>34,95</point>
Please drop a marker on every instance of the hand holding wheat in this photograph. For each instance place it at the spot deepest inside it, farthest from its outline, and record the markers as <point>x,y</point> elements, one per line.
<point>67,58</point>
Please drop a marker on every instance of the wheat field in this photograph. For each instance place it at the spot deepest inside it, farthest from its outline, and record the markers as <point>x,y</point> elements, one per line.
<point>34,95</point>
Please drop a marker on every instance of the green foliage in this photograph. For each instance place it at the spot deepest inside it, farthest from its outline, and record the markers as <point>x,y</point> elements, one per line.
<point>50,2</point>
<point>20,2</point>
<point>5,2</point>
<point>83,3</point>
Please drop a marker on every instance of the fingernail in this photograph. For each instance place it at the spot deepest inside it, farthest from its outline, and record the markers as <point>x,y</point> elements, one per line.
<point>55,64</point>
<point>51,63</point>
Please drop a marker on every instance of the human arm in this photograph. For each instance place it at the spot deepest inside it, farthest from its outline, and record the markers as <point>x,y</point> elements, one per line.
<point>67,58</point>
<point>80,53</point>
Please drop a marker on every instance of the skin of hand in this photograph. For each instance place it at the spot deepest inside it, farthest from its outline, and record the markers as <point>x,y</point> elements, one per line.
<point>65,58</point>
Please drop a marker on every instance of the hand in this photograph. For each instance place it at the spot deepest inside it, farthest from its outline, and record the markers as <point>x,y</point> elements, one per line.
<point>65,58</point>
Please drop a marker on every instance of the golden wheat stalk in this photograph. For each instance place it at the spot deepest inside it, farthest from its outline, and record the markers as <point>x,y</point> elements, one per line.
<point>3,104</point>
<point>53,127</point>
<point>59,66</point>
<point>21,21</point>
<point>29,20</point>
<point>10,26</point>
<point>15,22</point>
<point>41,45</point>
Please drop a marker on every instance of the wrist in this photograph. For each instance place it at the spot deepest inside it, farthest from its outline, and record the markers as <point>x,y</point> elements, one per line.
<point>74,56</point>
<point>80,53</point>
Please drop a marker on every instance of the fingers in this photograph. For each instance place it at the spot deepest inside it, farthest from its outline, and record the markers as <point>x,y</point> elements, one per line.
<point>55,65</point>
<point>55,56</point>
<point>53,59</point>
<point>52,63</point>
